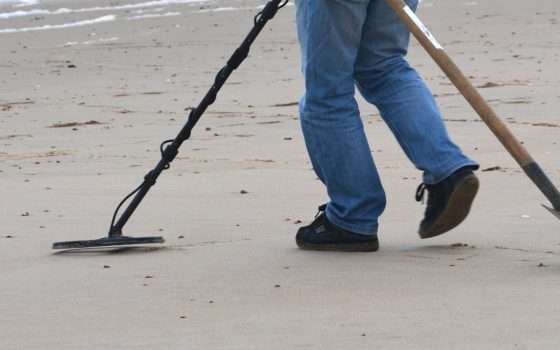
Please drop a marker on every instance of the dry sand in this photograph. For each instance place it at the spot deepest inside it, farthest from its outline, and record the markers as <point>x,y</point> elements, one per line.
<point>230,276</point>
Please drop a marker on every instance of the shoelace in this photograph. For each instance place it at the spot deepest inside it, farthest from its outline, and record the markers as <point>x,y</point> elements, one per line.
<point>321,209</point>
<point>420,191</point>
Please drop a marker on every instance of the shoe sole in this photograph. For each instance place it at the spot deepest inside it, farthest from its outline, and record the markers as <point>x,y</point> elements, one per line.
<point>361,247</point>
<point>458,208</point>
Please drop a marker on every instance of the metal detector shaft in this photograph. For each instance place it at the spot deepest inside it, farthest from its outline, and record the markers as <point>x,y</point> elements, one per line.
<point>172,149</point>
<point>479,104</point>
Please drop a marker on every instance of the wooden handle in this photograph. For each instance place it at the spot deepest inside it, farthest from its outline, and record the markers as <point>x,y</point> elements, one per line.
<point>486,113</point>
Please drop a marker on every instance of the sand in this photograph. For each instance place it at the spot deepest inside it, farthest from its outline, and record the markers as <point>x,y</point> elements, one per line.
<point>82,113</point>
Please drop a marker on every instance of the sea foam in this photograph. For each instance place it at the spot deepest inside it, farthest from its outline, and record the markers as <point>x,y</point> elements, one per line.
<point>108,18</point>
<point>19,3</point>
<point>39,11</point>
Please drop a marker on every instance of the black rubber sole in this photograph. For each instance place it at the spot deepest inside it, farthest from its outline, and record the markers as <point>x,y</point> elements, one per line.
<point>372,246</point>
<point>457,209</point>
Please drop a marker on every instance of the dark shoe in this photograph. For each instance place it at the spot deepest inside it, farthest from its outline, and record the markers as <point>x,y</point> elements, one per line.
<point>449,202</point>
<point>323,235</point>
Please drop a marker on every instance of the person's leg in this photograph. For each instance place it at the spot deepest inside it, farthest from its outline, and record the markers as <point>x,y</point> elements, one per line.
<point>408,107</point>
<point>330,33</point>
<point>406,104</point>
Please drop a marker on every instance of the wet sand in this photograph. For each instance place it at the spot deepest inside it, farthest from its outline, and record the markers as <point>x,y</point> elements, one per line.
<point>84,109</point>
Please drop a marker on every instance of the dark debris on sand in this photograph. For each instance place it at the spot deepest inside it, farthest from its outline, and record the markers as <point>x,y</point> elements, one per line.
<point>74,124</point>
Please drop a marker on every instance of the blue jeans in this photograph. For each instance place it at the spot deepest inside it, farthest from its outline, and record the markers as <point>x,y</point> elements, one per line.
<point>348,43</point>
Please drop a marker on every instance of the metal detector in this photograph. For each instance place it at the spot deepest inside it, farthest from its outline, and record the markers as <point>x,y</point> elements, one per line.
<point>170,148</point>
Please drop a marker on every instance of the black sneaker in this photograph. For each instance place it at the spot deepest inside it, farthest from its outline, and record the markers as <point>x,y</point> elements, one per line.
<point>323,235</point>
<point>449,202</point>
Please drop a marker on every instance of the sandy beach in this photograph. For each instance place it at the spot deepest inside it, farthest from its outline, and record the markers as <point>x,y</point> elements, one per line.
<point>89,90</point>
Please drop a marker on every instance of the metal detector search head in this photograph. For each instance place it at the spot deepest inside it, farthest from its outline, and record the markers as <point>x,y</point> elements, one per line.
<point>108,242</point>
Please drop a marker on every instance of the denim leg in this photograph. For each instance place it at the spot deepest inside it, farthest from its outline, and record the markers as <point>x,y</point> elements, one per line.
<point>330,35</point>
<point>386,80</point>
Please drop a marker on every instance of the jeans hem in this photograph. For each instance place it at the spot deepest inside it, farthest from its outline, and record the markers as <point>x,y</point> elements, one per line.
<point>370,231</point>
<point>450,171</point>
